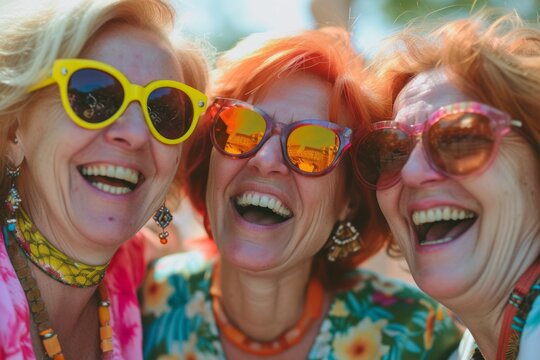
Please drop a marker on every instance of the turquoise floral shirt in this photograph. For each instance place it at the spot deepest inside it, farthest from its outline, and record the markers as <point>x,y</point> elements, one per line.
<point>379,318</point>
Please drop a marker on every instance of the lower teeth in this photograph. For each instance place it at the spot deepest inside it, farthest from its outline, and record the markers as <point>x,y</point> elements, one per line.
<point>438,241</point>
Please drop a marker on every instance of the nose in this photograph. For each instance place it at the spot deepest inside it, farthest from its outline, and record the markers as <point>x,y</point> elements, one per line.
<point>130,130</point>
<point>417,171</point>
<point>269,159</point>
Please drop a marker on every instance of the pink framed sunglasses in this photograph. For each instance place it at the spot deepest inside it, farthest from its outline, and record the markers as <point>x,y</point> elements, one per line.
<point>459,140</point>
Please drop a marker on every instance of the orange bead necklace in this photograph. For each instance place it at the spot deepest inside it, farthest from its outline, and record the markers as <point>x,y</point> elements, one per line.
<point>313,308</point>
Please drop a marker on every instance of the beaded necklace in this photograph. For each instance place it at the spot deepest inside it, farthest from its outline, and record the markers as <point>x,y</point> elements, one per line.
<point>519,304</point>
<point>49,338</point>
<point>312,311</point>
<point>52,261</point>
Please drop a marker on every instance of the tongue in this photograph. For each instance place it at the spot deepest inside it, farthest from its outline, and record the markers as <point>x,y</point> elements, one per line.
<point>452,229</point>
<point>261,217</point>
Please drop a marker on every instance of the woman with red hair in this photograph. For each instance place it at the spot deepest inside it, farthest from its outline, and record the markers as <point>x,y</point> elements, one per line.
<point>269,172</point>
<point>457,174</point>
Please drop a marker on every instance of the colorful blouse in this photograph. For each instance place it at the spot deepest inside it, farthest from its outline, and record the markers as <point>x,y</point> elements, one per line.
<point>124,275</point>
<point>378,319</point>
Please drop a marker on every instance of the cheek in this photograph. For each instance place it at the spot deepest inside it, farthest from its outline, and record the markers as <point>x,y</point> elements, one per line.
<point>167,157</point>
<point>388,202</point>
<point>220,173</point>
<point>338,191</point>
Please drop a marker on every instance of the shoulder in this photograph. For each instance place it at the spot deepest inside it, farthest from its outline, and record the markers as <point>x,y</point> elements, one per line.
<point>126,269</point>
<point>183,265</point>
<point>15,337</point>
<point>529,345</point>
<point>385,290</point>
<point>172,281</point>
<point>466,348</point>
<point>394,315</point>
<point>390,299</point>
<point>176,305</point>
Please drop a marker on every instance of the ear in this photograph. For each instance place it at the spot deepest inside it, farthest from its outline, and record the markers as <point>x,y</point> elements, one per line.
<point>350,208</point>
<point>15,152</point>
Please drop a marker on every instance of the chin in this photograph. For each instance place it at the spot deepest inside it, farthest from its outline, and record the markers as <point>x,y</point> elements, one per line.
<point>442,284</point>
<point>108,232</point>
<point>252,257</point>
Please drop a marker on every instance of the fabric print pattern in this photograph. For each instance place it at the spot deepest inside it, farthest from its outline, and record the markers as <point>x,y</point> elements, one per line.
<point>378,319</point>
<point>123,277</point>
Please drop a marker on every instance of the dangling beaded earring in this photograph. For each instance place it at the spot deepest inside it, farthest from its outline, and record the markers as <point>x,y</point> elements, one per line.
<point>163,218</point>
<point>13,199</point>
<point>345,240</point>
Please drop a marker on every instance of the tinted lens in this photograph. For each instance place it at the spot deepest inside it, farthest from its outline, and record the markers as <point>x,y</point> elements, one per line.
<point>171,112</point>
<point>462,143</point>
<point>381,155</point>
<point>94,95</point>
<point>238,130</point>
<point>312,148</point>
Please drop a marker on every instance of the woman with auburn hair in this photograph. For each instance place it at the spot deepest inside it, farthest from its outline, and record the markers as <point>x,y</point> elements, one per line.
<point>268,170</point>
<point>457,173</point>
<point>83,167</point>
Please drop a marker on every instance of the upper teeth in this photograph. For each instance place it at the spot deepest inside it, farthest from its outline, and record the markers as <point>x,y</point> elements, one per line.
<point>264,200</point>
<point>440,213</point>
<point>112,171</point>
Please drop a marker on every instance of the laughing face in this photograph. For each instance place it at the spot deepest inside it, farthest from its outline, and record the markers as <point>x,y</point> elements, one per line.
<point>90,190</point>
<point>462,236</point>
<point>264,215</point>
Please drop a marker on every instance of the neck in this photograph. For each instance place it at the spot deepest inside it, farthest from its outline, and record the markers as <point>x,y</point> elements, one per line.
<point>485,331</point>
<point>72,315</point>
<point>51,260</point>
<point>54,227</point>
<point>482,308</point>
<point>263,306</point>
<point>66,305</point>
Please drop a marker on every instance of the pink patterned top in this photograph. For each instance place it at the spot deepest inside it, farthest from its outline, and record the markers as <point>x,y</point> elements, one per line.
<point>123,277</point>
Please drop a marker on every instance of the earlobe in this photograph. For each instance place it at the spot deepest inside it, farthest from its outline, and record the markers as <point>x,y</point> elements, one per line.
<point>15,153</point>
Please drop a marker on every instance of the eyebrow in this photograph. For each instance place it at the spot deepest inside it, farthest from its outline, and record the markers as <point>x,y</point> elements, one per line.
<point>414,116</point>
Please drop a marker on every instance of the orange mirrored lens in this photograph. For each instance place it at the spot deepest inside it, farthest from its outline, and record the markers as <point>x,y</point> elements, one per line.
<point>312,148</point>
<point>460,144</point>
<point>238,130</point>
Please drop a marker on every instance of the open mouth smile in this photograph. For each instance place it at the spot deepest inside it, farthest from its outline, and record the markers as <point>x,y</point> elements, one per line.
<point>112,179</point>
<point>261,209</point>
<point>441,224</point>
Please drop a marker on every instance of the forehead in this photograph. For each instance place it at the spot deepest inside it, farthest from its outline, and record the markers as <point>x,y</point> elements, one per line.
<point>424,94</point>
<point>142,55</point>
<point>298,96</point>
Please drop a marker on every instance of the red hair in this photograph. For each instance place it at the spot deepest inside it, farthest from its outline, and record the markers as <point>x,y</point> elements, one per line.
<point>493,59</point>
<point>328,54</point>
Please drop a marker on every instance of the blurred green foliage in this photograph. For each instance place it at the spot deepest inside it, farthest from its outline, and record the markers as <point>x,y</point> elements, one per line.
<point>403,11</point>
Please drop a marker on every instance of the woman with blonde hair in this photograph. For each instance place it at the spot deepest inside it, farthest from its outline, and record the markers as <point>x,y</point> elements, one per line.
<point>457,173</point>
<point>269,172</point>
<point>83,167</point>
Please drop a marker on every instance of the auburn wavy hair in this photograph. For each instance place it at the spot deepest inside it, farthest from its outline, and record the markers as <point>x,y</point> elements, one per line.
<point>245,71</point>
<point>493,58</point>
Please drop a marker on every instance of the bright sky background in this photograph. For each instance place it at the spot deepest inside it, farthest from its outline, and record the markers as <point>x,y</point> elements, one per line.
<point>222,22</point>
<point>212,18</point>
